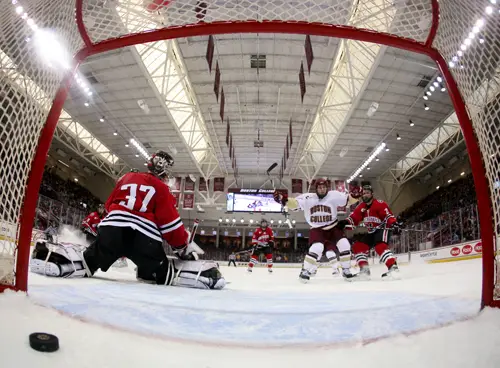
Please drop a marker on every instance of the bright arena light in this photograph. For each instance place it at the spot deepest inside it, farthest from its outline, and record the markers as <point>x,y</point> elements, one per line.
<point>367,162</point>
<point>50,49</point>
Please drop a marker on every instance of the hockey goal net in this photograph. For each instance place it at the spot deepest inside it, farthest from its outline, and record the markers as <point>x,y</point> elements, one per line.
<point>461,36</point>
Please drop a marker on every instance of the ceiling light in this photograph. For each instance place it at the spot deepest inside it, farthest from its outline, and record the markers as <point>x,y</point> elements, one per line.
<point>227,220</point>
<point>89,93</point>
<point>439,79</point>
<point>251,221</point>
<point>367,168</point>
<point>220,219</point>
<point>488,10</point>
<point>451,64</point>
<point>367,162</point>
<point>460,53</point>
<point>126,145</point>
<point>76,179</point>
<point>467,41</point>
<point>377,159</point>
<point>387,149</point>
<point>360,175</point>
<point>432,88</point>
<point>398,137</point>
<point>101,119</point>
<point>279,222</point>
<point>242,221</point>
<point>19,10</point>
<point>426,107</point>
<point>293,222</point>
<point>272,221</point>
<point>462,173</point>
<point>145,164</point>
<point>234,220</point>
<point>481,40</point>
<point>86,104</point>
<point>426,98</point>
<point>436,84</point>
<point>412,123</point>
<point>428,93</point>
<point>115,133</point>
<point>136,155</point>
<point>443,89</point>
<point>449,180</point>
<point>480,23</point>
<point>437,187</point>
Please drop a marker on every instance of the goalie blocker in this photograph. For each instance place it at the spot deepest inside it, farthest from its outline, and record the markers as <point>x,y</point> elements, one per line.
<point>66,260</point>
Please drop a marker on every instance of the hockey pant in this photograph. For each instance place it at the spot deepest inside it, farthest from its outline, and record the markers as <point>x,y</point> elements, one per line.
<point>378,240</point>
<point>254,259</point>
<point>72,261</point>
<point>343,256</point>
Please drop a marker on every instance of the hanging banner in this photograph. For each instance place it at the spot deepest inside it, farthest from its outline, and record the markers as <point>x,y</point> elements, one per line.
<point>217,81</point>
<point>218,184</point>
<point>231,146</point>
<point>177,196</point>
<point>227,133</point>
<point>290,133</point>
<point>203,186</point>
<point>188,201</point>
<point>188,184</point>
<point>297,186</point>
<point>176,186</point>
<point>222,104</point>
<point>302,82</point>
<point>309,53</point>
<point>287,148</point>
<point>210,52</point>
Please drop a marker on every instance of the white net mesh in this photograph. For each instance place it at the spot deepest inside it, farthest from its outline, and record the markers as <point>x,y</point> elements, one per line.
<point>27,88</point>
<point>28,85</point>
<point>476,69</point>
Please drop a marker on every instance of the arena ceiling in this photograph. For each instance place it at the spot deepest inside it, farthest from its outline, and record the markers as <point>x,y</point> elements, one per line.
<point>127,103</point>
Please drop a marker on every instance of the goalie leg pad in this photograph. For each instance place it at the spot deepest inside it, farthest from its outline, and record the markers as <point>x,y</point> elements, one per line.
<point>58,260</point>
<point>191,274</point>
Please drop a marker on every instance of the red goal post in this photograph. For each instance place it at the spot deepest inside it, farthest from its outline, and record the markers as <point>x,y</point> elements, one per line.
<point>30,110</point>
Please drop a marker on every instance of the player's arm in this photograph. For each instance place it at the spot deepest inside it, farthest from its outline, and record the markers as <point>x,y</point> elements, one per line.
<point>353,219</point>
<point>255,236</point>
<point>290,202</point>
<point>87,224</point>
<point>389,217</point>
<point>169,222</point>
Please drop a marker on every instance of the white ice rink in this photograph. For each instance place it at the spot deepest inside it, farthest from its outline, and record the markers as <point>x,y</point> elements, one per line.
<point>260,320</point>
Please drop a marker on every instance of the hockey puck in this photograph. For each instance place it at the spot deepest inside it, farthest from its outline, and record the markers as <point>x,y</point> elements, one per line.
<point>44,342</point>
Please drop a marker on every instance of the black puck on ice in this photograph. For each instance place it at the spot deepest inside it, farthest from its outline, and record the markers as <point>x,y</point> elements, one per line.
<point>44,342</point>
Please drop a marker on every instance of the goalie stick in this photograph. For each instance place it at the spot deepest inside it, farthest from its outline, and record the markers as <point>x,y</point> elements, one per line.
<point>284,209</point>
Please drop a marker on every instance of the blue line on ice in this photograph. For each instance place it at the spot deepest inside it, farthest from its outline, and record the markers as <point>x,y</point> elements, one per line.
<point>252,317</point>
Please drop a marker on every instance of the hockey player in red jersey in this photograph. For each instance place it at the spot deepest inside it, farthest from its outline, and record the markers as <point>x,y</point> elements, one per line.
<point>89,223</point>
<point>141,216</point>
<point>380,222</point>
<point>262,242</point>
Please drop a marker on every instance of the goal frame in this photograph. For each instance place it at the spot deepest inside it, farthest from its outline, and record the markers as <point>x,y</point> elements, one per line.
<point>289,27</point>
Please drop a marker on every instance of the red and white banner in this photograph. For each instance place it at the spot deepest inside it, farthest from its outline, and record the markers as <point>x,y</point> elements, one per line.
<point>176,187</point>
<point>188,201</point>
<point>177,196</point>
<point>188,184</point>
<point>203,186</point>
<point>297,186</point>
<point>218,184</point>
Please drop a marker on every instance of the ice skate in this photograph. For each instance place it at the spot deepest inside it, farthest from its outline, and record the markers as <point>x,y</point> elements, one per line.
<point>304,276</point>
<point>347,274</point>
<point>270,270</point>
<point>249,270</point>
<point>392,273</point>
<point>364,274</point>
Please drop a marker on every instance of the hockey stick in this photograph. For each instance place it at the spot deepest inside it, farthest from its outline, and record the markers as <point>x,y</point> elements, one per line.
<point>284,210</point>
<point>191,242</point>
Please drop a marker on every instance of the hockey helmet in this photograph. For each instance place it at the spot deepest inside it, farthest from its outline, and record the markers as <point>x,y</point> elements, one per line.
<point>367,197</point>
<point>262,222</point>
<point>320,182</point>
<point>160,164</point>
<point>100,209</point>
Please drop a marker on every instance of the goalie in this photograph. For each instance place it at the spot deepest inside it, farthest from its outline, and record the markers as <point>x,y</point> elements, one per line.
<point>141,217</point>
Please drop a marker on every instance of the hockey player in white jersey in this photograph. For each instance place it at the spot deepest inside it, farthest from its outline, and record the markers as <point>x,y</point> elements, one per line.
<point>320,212</point>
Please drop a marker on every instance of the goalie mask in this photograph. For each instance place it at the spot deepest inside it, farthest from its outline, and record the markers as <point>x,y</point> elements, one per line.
<point>367,193</point>
<point>160,164</point>
<point>321,188</point>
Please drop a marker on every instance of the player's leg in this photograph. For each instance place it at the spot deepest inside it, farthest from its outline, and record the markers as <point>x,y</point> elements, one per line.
<point>108,247</point>
<point>254,260</point>
<point>381,239</point>
<point>269,258</point>
<point>360,248</point>
<point>311,259</point>
<point>343,248</point>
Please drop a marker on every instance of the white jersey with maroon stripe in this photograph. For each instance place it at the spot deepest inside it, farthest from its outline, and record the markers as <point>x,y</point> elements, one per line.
<point>321,212</point>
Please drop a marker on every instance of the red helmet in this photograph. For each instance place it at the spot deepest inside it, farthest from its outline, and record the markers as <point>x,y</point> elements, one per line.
<point>321,182</point>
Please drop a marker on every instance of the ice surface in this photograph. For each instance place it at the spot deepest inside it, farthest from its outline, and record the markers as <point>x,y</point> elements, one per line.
<point>131,325</point>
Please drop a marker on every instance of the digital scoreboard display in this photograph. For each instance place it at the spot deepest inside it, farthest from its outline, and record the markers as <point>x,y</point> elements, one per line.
<point>252,200</point>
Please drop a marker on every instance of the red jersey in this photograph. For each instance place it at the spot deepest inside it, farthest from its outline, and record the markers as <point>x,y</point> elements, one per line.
<point>262,237</point>
<point>372,215</point>
<point>143,202</point>
<point>90,223</point>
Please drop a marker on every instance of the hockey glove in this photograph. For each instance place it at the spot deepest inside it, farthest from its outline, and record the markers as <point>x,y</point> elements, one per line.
<point>189,252</point>
<point>342,224</point>
<point>280,197</point>
<point>396,228</point>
